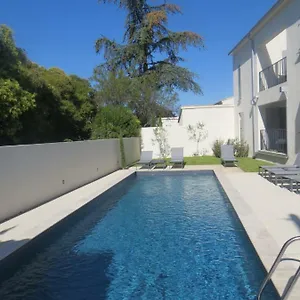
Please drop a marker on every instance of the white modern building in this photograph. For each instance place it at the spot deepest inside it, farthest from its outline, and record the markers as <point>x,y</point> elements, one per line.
<point>266,71</point>
<point>218,120</point>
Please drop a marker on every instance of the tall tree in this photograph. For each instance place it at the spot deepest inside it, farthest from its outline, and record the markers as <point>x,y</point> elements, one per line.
<point>14,102</point>
<point>150,48</point>
<point>138,94</point>
<point>39,105</point>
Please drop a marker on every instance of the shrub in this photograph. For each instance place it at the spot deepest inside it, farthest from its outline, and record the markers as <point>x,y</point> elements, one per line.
<point>113,121</point>
<point>216,148</point>
<point>241,148</point>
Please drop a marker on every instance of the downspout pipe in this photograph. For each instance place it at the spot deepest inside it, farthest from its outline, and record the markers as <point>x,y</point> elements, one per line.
<point>253,96</point>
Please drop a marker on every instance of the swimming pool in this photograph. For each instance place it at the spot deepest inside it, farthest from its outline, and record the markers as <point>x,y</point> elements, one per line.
<point>153,236</point>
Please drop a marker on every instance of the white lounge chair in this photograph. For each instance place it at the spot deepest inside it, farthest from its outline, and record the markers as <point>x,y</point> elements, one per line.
<point>177,156</point>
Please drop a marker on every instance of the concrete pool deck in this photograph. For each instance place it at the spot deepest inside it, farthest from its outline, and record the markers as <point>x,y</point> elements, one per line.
<point>270,215</point>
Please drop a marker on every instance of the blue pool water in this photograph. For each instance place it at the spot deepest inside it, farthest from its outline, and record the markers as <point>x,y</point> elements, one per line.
<point>153,236</point>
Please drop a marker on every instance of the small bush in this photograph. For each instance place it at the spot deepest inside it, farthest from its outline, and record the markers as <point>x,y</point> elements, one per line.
<point>241,148</point>
<point>216,148</point>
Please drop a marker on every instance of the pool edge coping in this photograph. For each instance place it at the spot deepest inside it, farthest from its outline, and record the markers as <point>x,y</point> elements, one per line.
<point>264,244</point>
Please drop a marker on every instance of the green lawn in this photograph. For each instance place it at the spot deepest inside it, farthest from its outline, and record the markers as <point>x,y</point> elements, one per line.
<point>247,164</point>
<point>202,160</point>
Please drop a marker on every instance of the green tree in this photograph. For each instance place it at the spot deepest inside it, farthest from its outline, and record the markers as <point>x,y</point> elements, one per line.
<point>9,54</point>
<point>150,49</point>
<point>114,88</point>
<point>64,106</point>
<point>14,102</point>
<point>37,104</point>
<point>115,122</point>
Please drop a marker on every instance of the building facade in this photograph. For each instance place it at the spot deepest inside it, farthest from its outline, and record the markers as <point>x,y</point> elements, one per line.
<point>266,76</point>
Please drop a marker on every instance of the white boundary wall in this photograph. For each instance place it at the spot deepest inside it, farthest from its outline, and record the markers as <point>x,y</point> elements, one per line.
<point>219,124</point>
<point>34,174</point>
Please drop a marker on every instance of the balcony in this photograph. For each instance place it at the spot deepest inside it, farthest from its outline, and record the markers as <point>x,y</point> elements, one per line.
<point>274,140</point>
<point>273,75</point>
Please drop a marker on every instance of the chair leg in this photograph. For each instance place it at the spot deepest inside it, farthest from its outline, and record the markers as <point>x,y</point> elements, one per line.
<point>291,185</point>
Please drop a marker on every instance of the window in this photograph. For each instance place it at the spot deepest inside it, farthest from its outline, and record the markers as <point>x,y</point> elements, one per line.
<point>240,83</point>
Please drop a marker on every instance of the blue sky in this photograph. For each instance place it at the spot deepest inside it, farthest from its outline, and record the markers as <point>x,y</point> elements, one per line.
<point>62,33</point>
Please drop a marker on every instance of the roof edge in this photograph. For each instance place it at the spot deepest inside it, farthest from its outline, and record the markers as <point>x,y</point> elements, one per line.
<point>269,15</point>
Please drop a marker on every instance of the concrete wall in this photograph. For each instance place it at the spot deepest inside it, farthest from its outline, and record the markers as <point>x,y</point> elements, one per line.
<point>219,124</point>
<point>31,175</point>
<point>278,38</point>
<point>132,148</point>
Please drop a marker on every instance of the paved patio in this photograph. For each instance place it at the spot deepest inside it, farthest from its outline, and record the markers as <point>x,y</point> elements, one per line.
<point>270,215</point>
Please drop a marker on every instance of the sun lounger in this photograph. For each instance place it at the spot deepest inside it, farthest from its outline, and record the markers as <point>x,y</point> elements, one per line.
<point>177,156</point>
<point>146,158</point>
<point>263,170</point>
<point>227,155</point>
<point>293,181</point>
<point>277,173</point>
<point>159,162</point>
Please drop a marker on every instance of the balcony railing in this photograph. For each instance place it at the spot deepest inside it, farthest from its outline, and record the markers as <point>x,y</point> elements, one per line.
<point>273,75</point>
<point>274,140</point>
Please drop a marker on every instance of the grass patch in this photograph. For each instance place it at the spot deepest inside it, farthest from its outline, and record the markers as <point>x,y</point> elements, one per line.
<point>202,160</point>
<point>248,164</point>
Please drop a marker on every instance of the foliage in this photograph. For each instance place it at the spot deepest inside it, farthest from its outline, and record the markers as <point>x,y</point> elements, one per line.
<point>241,148</point>
<point>216,148</point>
<point>113,121</point>
<point>122,151</point>
<point>45,105</point>
<point>14,101</point>
<point>197,133</point>
<point>114,88</point>
<point>150,55</point>
<point>10,55</point>
<point>161,138</point>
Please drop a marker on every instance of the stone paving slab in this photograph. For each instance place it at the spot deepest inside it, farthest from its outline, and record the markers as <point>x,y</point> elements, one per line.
<point>271,216</point>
